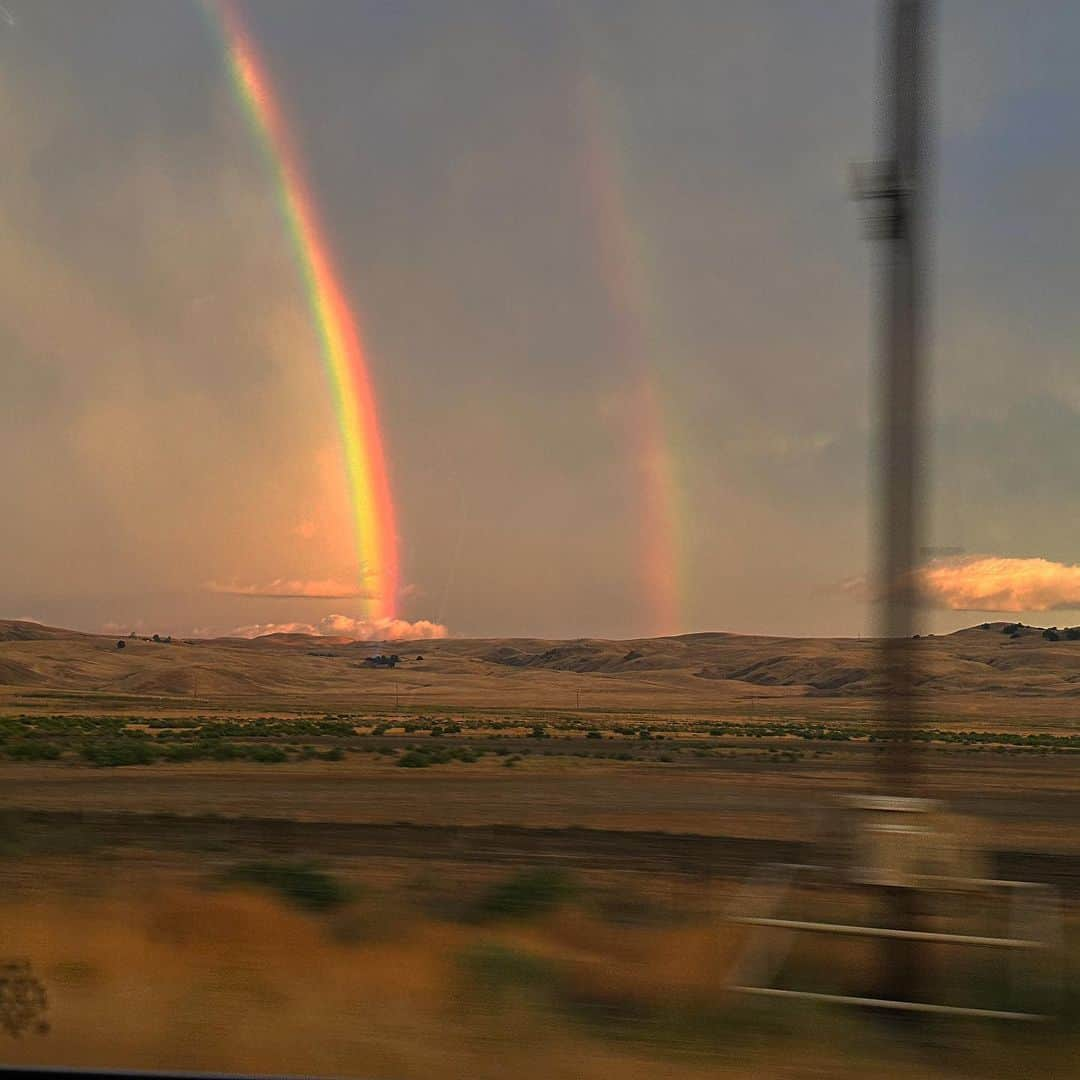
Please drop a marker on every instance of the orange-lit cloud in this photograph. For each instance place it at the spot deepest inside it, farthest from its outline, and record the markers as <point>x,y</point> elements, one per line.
<point>347,627</point>
<point>995,583</point>
<point>988,583</point>
<point>294,589</point>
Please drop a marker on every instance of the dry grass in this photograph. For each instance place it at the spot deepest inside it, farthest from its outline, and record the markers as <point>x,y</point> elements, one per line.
<point>159,975</point>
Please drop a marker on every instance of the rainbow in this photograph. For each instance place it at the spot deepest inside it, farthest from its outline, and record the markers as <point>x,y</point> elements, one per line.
<point>340,342</point>
<point>623,261</point>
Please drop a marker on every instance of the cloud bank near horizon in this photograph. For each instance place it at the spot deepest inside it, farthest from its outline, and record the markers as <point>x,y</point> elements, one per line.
<point>998,583</point>
<point>988,583</point>
<point>348,627</point>
<point>293,589</point>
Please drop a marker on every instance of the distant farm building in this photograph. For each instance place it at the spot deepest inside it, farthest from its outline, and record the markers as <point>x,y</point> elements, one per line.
<point>382,661</point>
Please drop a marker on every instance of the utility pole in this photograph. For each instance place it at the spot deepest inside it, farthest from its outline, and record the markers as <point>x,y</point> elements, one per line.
<point>903,384</point>
<point>897,186</point>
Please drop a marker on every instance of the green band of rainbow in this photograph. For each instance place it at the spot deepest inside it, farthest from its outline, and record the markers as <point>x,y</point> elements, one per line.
<point>339,336</point>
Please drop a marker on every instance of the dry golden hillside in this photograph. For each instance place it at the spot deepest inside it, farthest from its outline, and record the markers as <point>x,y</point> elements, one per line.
<point>981,669</point>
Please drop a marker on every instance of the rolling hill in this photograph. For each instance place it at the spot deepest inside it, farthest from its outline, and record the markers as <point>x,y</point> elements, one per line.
<point>980,667</point>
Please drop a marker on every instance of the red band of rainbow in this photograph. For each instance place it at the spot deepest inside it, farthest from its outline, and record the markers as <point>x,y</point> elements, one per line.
<point>339,335</point>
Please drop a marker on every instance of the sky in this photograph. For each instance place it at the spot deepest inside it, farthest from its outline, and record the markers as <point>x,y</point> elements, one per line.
<point>617,301</point>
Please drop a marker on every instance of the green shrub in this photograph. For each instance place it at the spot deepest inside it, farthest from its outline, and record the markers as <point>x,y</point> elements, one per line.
<point>495,971</point>
<point>32,750</point>
<point>301,884</point>
<point>525,895</point>
<point>122,751</point>
<point>335,753</point>
<point>414,759</point>
<point>181,752</point>
<point>267,755</point>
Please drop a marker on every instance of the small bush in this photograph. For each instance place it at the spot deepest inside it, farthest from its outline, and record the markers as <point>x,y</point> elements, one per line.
<point>299,883</point>
<point>225,751</point>
<point>113,753</point>
<point>525,895</point>
<point>413,759</point>
<point>181,752</point>
<point>32,750</point>
<point>267,755</point>
<point>496,971</point>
